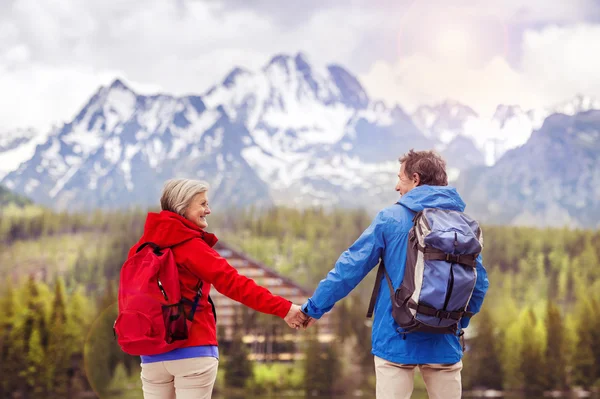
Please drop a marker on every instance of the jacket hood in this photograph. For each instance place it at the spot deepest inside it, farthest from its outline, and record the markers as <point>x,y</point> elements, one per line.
<point>167,229</point>
<point>443,197</point>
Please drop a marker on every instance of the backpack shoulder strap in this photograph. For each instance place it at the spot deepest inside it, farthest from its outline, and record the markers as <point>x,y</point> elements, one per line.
<point>380,273</point>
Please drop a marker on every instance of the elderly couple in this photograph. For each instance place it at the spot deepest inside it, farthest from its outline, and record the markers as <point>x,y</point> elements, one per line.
<point>190,371</point>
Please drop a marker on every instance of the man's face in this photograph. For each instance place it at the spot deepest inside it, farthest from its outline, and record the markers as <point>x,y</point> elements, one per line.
<point>405,183</point>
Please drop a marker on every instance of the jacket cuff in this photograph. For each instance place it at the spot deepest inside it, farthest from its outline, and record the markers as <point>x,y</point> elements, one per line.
<point>309,309</point>
<point>285,307</point>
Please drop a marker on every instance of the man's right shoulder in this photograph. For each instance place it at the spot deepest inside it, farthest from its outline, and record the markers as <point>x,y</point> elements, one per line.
<point>397,215</point>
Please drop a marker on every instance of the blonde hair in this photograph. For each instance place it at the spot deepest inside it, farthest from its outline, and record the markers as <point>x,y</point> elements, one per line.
<point>178,193</point>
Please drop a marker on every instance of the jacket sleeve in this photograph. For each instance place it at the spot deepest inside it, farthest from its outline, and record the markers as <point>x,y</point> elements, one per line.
<point>351,267</point>
<point>481,287</point>
<point>206,264</point>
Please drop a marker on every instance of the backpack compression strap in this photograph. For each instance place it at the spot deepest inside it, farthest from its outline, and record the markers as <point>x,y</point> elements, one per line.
<point>380,273</point>
<point>469,260</point>
<point>157,251</point>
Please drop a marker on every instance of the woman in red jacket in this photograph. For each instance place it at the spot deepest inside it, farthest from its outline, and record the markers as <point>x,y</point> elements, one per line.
<point>190,371</point>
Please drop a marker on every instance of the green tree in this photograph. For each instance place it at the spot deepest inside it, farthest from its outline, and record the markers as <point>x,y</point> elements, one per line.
<point>238,368</point>
<point>7,370</point>
<point>34,372</point>
<point>585,366</point>
<point>59,344</point>
<point>555,356</point>
<point>321,366</point>
<point>532,359</point>
<point>484,357</point>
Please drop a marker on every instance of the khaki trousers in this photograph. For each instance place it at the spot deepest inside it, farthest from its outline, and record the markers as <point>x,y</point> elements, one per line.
<point>181,379</point>
<point>396,381</point>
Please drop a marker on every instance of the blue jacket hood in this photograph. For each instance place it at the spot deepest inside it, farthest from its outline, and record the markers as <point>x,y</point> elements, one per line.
<point>421,197</point>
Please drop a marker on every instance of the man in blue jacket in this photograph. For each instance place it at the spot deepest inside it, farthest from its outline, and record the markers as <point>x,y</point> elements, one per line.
<point>422,183</point>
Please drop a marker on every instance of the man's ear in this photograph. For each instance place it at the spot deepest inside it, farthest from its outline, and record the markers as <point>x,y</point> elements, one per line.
<point>416,179</point>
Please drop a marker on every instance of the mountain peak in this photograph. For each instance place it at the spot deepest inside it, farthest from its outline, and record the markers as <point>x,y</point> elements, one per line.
<point>119,84</point>
<point>231,78</point>
<point>505,112</point>
<point>279,60</point>
<point>352,92</point>
<point>300,61</point>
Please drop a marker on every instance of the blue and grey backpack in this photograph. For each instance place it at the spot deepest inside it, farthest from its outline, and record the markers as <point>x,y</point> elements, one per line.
<point>440,273</point>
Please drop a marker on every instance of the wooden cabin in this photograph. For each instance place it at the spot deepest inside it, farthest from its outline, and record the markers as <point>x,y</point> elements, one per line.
<point>269,338</point>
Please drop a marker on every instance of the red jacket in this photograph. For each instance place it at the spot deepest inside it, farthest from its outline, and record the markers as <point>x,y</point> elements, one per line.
<point>192,248</point>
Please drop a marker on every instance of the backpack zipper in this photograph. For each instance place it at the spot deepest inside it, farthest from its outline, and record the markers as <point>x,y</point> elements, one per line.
<point>160,287</point>
<point>450,287</point>
<point>451,282</point>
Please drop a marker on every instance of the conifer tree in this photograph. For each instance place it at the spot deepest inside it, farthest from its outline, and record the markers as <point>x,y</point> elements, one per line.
<point>321,366</point>
<point>555,356</point>
<point>484,355</point>
<point>34,372</point>
<point>59,348</point>
<point>532,359</point>
<point>585,367</point>
<point>238,368</point>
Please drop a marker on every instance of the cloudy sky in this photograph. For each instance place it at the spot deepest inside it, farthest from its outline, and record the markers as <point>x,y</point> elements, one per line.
<point>55,53</point>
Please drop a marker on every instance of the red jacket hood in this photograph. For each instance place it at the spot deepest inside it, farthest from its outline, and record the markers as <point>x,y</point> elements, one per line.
<point>167,229</point>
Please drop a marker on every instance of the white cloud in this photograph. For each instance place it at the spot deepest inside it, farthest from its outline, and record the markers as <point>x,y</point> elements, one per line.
<point>54,54</point>
<point>557,63</point>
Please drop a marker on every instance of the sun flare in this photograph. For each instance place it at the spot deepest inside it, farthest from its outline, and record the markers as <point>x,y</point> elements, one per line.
<point>453,42</point>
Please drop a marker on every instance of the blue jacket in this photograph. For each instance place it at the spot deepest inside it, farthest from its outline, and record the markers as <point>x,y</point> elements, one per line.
<point>387,238</point>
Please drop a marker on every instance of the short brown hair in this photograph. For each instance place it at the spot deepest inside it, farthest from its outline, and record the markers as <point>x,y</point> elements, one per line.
<point>429,165</point>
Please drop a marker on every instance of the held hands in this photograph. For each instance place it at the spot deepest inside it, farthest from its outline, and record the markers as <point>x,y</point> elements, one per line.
<point>296,318</point>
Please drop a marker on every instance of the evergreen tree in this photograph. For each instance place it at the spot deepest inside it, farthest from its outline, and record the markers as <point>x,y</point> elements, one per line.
<point>34,374</point>
<point>585,366</point>
<point>321,366</point>
<point>238,368</point>
<point>101,352</point>
<point>512,344</point>
<point>59,348</point>
<point>7,305</point>
<point>532,361</point>
<point>556,359</point>
<point>484,354</point>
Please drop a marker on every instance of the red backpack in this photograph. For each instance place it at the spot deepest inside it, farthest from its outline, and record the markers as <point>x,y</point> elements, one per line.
<point>152,318</point>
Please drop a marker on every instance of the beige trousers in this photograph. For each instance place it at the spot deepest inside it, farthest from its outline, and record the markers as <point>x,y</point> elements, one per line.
<point>396,381</point>
<point>181,379</point>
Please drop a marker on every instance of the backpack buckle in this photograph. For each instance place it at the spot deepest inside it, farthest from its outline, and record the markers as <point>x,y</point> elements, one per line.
<point>451,258</point>
<point>442,314</point>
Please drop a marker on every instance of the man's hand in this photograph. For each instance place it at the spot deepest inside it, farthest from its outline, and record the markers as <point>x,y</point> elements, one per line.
<point>295,318</point>
<point>309,322</point>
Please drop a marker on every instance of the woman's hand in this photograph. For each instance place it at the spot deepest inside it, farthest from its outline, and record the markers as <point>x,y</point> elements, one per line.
<point>296,318</point>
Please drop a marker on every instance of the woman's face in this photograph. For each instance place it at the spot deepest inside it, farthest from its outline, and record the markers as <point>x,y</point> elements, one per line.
<point>198,210</point>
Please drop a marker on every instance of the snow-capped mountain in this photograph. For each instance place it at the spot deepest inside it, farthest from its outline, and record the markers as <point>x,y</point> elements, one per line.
<point>443,121</point>
<point>17,146</point>
<point>552,180</point>
<point>289,133</point>
<point>458,129</point>
<point>485,140</point>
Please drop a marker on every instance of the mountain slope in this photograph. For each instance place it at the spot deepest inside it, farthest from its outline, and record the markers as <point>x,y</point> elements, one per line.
<point>7,198</point>
<point>17,146</point>
<point>552,180</point>
<point>288,133</point>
